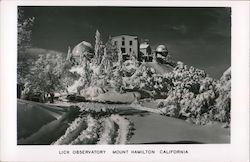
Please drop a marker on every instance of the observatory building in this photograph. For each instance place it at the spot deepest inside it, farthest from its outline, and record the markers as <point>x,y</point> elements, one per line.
<point>128,45</point>
<point>83,49</point>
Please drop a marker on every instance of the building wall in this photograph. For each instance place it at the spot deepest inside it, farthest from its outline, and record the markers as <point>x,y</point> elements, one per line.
<point>146,54</point>
<point>144,51</point>
<point>123,42</point>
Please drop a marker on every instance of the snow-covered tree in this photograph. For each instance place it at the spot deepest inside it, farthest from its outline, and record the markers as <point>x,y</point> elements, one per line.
<point>45,76</point>
<point>111,50</point>
<point>169,60</point>
<point>117,78</point>
<point>85,74</point>
<point>190,93</point>
<point>223,102</point>
<point>120,59</point>
<point>24,29</point>
<point>99,47</point>
<point>192,96</point>
<point>107,63</point>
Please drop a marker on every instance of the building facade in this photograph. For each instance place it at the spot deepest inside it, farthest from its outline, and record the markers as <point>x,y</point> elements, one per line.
<point>128,45</point>
<point>146,52</point>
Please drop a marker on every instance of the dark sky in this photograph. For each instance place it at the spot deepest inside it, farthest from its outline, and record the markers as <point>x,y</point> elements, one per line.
<point>200,37</point>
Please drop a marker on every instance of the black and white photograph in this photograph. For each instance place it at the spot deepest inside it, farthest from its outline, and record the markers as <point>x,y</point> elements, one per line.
<point>125,80</point>
<point>120,75</point>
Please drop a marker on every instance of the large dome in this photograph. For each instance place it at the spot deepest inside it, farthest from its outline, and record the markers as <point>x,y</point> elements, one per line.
<point>161,48</point>
<point>83,48</point>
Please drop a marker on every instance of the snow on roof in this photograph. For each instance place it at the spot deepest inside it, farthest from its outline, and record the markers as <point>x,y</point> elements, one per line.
<point>144,45</point>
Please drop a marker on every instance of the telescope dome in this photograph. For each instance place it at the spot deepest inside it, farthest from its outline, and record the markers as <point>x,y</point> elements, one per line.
<point>161,48</point>
<point>83,48</point>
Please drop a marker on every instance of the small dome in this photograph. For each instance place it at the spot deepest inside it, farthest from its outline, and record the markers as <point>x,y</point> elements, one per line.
<point>82,48</point>
<point>161,48</point>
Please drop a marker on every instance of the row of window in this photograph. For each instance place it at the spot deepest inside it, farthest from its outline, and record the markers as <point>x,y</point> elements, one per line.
<point>124,50</point>
<point>123,43</point>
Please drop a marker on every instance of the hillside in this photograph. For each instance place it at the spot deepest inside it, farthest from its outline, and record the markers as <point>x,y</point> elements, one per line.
<point>35,52</point>
<point>159,68</point>
<point>172,130</point>
<point>36,113</point>
<point>185,104</point>
<point>135,126</point>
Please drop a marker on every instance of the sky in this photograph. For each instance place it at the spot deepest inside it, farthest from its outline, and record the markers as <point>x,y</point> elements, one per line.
<point>199,37</point>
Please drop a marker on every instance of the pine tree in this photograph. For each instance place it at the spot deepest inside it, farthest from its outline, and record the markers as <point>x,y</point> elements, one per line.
<point>99,47</point>
<point>111,50</point>
<point>86,76</point>
<point>69,54</point>
<point>110,56</point>
<point>120,59</point>
<point>117,78</point>
<point>106,62</point>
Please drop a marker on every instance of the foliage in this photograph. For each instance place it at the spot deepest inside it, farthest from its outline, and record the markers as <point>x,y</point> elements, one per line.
<point>223,102</point>
<point>45,76</point>
<point>24,27</point>
<point>111,50</point>
<point>106,64</point>
<point>169,60</point>
<point>117,80</point>
<point>197,97</point>
<point>110,56</point>
<point>190,94</point>
<point>68,78</point>
<point>99,48</point>
<point>85,75</point>
<point>146,79</point>
<point>129,67</point>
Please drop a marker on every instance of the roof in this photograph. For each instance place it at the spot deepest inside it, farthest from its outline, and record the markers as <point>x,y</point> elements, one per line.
<point>124,35</point>
<point>81,48</point>
<point>161,48</point>
<point>144,45</point>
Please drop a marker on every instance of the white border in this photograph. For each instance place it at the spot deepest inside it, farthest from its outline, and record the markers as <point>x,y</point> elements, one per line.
<point>238,150</point>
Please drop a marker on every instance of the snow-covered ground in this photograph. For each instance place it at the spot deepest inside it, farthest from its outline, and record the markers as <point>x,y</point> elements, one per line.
<point>149,125</point>
<point>154,128</point>
<point>115,97</point>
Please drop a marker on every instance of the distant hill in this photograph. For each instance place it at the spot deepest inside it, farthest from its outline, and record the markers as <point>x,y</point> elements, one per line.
<point>35,52</point>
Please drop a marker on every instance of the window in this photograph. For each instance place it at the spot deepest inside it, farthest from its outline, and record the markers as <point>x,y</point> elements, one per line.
<point>123,50</point>
<point>130,43</point>
<point>130,50</point>
<point>115,43</point>
<point>123,43</point>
